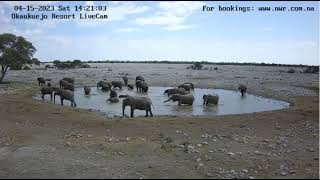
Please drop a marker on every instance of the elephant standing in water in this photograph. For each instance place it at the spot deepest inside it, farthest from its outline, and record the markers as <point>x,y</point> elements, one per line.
<point>243,89</point>
<point>214,99</point>
<point>139,78</point>
<point>113,93</point>
<point>181,91</point>
<point>142,86</point>
<point>125,79</point>
<point>46,90</point>
<point>182,99</point>
<point>66,85</point>
<point>65,95</point>
<point>87,90</point>
<point>41,81</point>
<point>140,103</point>
<point>116,84</point>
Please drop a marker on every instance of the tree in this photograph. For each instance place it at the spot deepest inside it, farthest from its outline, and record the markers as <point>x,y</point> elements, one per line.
<point>14,51</point>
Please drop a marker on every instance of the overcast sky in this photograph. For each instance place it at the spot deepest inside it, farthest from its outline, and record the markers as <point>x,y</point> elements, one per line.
<point>174,31</point>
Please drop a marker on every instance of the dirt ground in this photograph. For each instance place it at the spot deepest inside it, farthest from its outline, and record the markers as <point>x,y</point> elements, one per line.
<point>41,140</point>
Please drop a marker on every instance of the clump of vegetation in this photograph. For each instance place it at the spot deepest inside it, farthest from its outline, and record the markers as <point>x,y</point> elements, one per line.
<point>291,70</point>
<point>195,66</point>
<point>312,69</point>
<point>26,68</point>
<point>15,51</point>
<point>70,64</point>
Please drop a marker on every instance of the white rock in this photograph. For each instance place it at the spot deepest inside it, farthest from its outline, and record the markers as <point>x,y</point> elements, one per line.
<point>230,153</point>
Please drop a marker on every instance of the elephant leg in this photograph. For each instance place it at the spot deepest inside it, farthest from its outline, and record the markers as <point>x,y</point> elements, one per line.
<point>74,104</point>
<point>151,113</point>
<point>42,96</point>
<point>179,103</point>
<point>61,101</point>
<point>204,102</point>
<point>131,112</point>
<point>51,96</point>
<point>146,113</point>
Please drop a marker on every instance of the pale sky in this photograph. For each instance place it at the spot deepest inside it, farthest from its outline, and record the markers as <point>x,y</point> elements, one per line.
<point>173,31</point>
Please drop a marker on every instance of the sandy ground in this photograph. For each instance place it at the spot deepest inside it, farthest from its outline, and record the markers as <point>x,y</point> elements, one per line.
<point>41,140</point>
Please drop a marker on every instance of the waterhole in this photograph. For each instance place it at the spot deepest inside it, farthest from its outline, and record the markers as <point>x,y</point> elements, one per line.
<point>230,102</point>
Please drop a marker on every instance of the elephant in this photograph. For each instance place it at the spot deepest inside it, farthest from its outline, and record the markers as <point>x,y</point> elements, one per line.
<point>186,87</point>
<point>49,84</point>
<point>41,81</point>
<point>46,90</point>
<point>125,79</point>
<point>191,85</point>
<point>87,90</point>
<point>106,86</point>
<point>182,99</point>
<point>210,98</point>
<point>130,86</point>
<point>243,89</point>
<point>142,86</point>
<point>116,84</point>
<point>139,78</point>
<point>113,93</point>
<point>140,103</point>
<point>113,99</point>
<point>65,95</point>
<point>138,85</point>
<point>69,80</point>
<point>66,85</point>
<point>181,91</point>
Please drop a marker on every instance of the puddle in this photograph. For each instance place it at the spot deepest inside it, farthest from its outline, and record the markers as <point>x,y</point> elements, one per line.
<point>230,102</point>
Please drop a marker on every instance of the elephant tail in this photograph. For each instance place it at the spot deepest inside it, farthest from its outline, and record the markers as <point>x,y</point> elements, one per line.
<point>151,102</point>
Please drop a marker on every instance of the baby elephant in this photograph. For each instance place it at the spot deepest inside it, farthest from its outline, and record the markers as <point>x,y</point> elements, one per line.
<point>113,99</point>
<point>66,85</point>
<point>182,99</point>
<point>66,95</point>
<point>46,90</point>
<point>130,87</point>
<point>243,89</point>
<point>141,103</point>
<point>212,99</point>
<point>41,81</point>
<point>87,90</point>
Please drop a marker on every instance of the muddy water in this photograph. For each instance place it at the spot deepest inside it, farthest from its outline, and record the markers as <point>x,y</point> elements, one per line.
<point>230,102</point>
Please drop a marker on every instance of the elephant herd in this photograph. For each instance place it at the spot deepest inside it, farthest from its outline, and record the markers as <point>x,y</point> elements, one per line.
<point>183,93</point>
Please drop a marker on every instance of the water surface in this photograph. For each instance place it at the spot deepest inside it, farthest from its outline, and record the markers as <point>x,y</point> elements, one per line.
<point>230,102</point>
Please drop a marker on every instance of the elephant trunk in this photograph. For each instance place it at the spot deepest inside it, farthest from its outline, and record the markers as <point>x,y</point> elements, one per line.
<point>166,100</point>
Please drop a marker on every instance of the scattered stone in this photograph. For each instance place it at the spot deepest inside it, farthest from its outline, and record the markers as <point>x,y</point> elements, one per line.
<point>244,171</point>
<point>199,159</point>
<point>258,153</point>
<point>292,171</point>
<point>230,153</point>
<point>283,173</point>
<point>311,150</point>
<point>209,174</point>
<point>199,145</point>
<point>78,135</point>
<point>89,136</point>
<point>205,143</point>
<point>68,143</point>
<point>251,177</point>
<point>210,151</point>
<point>128,138</point>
